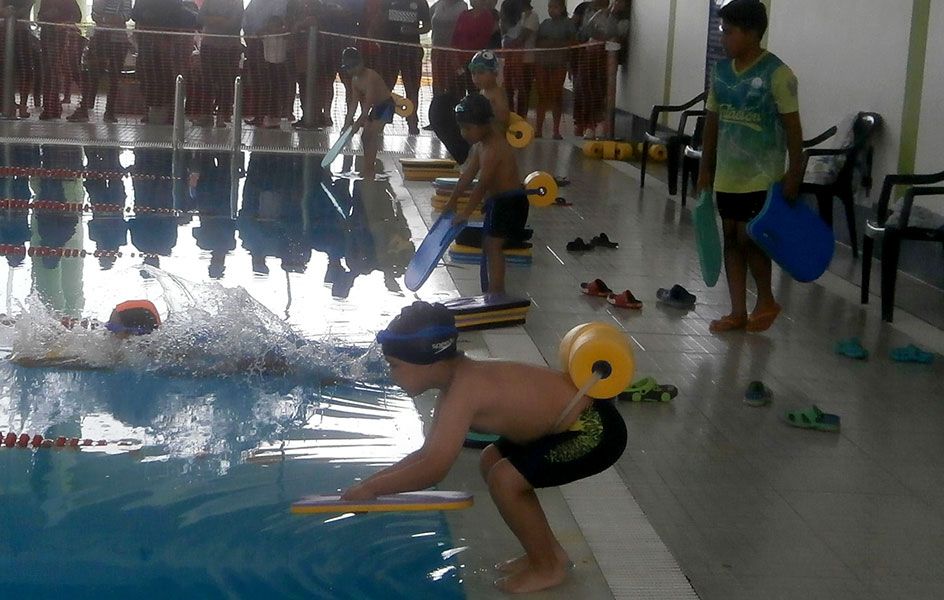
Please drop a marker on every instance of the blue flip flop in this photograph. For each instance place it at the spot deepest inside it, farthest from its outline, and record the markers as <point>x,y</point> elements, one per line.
<point>851,348</point>
<point>911,354</point>
<point>757,394</point>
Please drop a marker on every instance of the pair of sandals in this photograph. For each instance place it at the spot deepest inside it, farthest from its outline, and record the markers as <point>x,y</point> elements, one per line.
<point>599,289</point>
<point>852,348</point>
<point>601,241</point>
<point>648,389</point>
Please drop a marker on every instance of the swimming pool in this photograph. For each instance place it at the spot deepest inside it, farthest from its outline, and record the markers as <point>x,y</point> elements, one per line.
<point>190,496</point>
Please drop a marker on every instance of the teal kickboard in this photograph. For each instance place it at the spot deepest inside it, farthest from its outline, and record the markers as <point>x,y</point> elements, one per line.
<point>346,134</point>
<point>427,256</point>
<point>793,236</point>
<point>707,239</point>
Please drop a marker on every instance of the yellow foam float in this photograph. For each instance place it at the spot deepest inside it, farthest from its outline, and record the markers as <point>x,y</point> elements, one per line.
<point>601,352</point>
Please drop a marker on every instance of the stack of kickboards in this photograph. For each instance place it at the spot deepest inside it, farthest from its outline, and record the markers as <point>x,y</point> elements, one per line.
<point>443,187</point>
<point>488,312</point>
<point>468,248</point>
<point>428,169</point>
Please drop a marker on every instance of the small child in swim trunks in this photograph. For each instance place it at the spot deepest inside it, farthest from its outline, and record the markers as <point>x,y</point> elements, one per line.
<point>377,105</point>
<point>506,207</point>
<point>542,443</point>
<point>484,70</point>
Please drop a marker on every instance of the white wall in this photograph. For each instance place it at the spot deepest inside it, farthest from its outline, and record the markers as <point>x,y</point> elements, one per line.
<point>688,57</point>
<point>848,55</point>
<point>931,137</point>
<point>641,83</point>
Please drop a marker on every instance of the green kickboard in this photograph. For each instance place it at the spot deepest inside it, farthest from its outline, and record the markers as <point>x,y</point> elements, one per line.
<point>707,239</point>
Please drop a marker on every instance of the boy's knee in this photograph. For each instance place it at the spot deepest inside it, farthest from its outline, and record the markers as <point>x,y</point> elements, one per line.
<point>490,455</point>
<point>504,476</point>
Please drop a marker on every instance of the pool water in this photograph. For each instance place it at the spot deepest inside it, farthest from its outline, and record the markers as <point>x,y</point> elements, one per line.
<point>207,445</point>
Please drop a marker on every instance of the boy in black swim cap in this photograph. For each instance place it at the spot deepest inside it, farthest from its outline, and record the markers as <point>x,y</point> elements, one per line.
<point>506,207</point>
<point>377,107</point>
<point>542,443</point>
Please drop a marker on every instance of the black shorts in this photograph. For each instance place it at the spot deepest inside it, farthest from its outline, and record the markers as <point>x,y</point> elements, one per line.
<point>593,443</point>
<point>382,111</point>
<point>740,207</point>
<point>506,215</point>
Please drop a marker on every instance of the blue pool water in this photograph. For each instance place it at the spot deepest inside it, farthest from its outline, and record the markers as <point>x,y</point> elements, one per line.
<point>207,446</point>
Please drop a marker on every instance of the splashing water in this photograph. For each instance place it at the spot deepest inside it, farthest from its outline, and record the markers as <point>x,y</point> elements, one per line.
<point>208,330</point>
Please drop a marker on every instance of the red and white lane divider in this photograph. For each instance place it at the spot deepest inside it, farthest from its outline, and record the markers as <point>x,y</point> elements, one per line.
<point>11,249</point>
<point>76,174</point>
<point>25,440</point>
<point>78,207</point>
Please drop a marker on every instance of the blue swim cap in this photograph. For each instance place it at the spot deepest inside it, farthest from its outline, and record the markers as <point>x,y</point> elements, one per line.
<point>351,58</point>
<point>484,60</point>
<point>421,334</point>
<point>474,109</point>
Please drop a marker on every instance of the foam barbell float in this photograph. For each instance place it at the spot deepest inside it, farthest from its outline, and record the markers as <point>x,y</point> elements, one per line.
<point>598,359</point>
<point>520,132</point>
<point>404,106</point>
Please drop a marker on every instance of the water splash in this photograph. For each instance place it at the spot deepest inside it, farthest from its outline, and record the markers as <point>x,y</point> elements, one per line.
<point>208,330</point>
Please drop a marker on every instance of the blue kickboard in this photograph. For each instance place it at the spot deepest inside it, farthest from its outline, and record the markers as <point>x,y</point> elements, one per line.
<point>346,134</point>
<point>794,237</point>
<point>427,256</point>
<point>707,239</point>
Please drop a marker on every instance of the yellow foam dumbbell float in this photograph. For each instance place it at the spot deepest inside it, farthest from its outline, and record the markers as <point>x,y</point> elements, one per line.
<point>403,106</point>
<point>520,132</point>
<point>599,361</point>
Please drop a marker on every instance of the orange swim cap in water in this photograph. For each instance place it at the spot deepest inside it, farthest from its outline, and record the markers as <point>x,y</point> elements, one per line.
<point>135,317</point>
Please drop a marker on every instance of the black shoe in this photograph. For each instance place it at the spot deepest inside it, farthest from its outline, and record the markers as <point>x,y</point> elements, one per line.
<point>603,240</point>
<point>578,245</point>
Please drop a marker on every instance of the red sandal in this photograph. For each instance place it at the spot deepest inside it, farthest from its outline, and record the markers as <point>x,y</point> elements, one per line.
<point>596,288</point>
<point>624,300</point>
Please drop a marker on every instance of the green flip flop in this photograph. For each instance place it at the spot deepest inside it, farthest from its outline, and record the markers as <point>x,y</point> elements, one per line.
<point>813,418</point>
<point>648,389</point>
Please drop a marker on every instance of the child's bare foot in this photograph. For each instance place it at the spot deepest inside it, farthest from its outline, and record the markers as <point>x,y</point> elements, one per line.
<point>514,565</point>
<point>763,317</point>
<point>728,323</point>
<point>533,580</point>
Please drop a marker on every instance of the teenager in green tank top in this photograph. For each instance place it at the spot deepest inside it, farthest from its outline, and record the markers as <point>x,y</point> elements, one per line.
<point>752,128</point>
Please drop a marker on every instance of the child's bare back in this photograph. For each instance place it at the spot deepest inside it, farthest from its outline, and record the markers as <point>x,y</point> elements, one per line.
<point>498,172</point>
<point>519,402</point>
<point>371,88</point>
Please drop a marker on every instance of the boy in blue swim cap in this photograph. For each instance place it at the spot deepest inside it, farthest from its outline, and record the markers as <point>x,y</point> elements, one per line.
<point>492,160</point>
<point>484,70</point>
<point>542,443</point>
<point>377,107</point>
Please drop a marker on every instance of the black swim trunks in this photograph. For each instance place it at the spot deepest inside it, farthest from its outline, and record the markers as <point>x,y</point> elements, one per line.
<point>382,111</point>
<point>506,215</point>
<point>740,207</point>
<point>593,443</point>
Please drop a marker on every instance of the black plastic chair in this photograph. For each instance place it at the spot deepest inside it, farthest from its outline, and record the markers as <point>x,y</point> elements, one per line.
<point>691,156</point>
<point>673,142</point>
<point>891,235</point>
<point>863,130</point>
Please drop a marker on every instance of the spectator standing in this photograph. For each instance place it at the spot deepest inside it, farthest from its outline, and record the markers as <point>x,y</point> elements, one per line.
<point>556,32</point>
<point>220,50</point>
<point>61,17</point>
<point>338,19</point>
<point>445,15</point>
<point>403,21</point>
<point>22,51</point>
<point>473,32</point>
<point>268,81</point>
<point>107,51</point>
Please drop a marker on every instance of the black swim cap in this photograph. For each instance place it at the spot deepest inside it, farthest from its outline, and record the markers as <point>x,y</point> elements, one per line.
<point>421,334</point>
<point>474,109</point>
<point>350,58</point>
